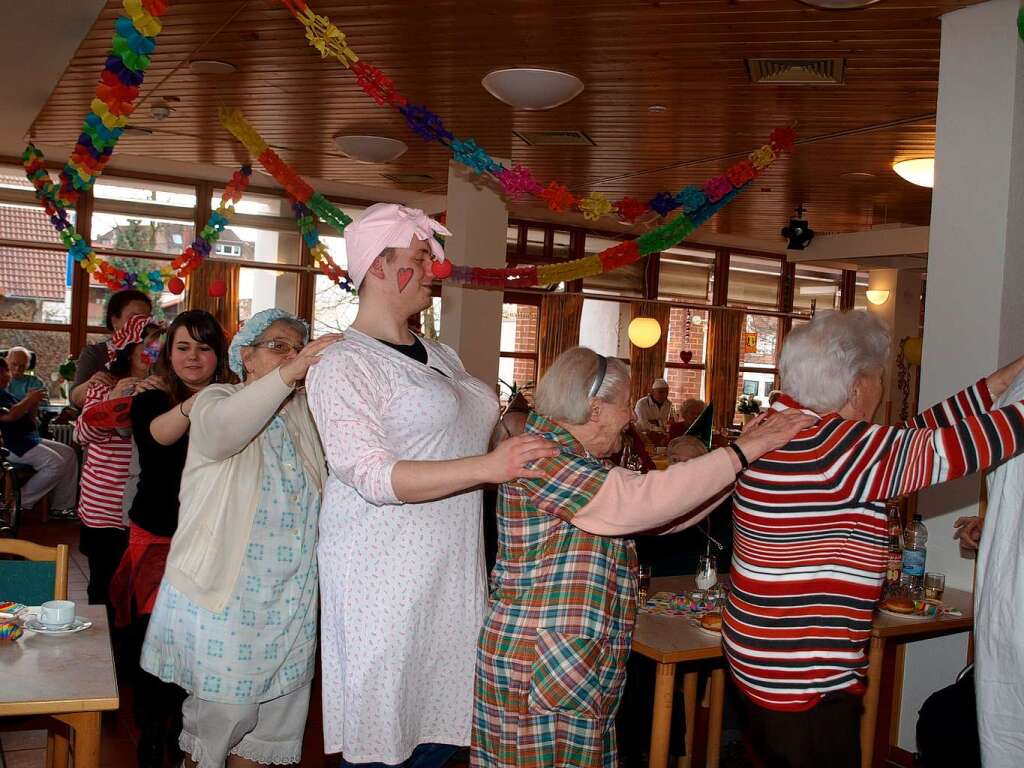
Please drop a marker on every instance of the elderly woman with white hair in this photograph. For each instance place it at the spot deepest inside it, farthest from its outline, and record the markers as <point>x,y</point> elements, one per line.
<point>235,622</point>
<point>810,533</point>
<point>552,654</point>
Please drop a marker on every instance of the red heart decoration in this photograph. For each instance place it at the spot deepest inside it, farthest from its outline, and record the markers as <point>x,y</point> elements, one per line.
<point>685,355</point>
<point>404,276</point>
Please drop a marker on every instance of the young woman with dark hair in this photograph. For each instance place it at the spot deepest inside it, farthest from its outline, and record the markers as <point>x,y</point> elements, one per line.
<point>194,355</point>
<point>92,361</point>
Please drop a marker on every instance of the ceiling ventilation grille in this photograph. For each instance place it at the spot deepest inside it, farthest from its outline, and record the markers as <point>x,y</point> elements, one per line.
<point>409,178</point>
<point>797,71</point>
<point>555,138</point>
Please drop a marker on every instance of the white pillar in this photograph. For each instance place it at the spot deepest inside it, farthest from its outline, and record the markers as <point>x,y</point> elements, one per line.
<point>973,317</point>
<point>471,318</point>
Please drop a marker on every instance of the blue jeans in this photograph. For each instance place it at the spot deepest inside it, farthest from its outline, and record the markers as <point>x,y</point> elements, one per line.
<point>424,756</point>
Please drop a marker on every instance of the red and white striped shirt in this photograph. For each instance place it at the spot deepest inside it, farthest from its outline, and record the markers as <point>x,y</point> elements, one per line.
<point>105,472</point>
<point>810,539</point>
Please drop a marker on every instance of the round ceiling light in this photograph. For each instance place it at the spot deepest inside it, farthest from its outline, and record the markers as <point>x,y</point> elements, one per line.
<point>370,149</point>
<point>644,332</point>
<point>532,89</point>
<point>919,171</point>
<point>211,67</point>
<point>839,5</point>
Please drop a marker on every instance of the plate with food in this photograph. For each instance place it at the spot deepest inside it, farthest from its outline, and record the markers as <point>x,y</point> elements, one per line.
<point>911,610</point>
<point>710,623</point>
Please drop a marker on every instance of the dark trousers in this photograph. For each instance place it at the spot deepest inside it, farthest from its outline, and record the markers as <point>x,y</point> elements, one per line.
<point>825,736</point>
<point>103,547</point>
<point>424,756</point>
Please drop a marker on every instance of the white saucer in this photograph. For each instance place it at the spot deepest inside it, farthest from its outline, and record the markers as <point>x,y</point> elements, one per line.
<point>907,616</point>
<point>77,625</point>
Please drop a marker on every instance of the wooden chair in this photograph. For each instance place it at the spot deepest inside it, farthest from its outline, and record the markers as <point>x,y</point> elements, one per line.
<point>28,588</point>
<point>33,583</point>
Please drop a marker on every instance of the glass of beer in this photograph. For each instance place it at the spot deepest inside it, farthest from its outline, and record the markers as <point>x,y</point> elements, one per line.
<point>934,586</point>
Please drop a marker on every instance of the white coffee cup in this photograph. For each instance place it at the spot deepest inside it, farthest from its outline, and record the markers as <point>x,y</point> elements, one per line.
<point>57,614</point>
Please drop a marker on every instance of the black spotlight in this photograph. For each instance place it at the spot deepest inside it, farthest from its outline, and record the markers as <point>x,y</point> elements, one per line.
<point>799,234</point>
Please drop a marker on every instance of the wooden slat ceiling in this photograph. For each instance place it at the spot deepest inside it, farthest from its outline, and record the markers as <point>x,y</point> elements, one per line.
<point>689,55</point>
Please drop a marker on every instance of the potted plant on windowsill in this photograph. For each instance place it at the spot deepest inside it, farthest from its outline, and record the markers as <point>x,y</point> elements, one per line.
<point>748,407</point>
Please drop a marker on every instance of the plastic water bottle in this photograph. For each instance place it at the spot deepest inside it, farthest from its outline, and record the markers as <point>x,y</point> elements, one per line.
<point>914,554</point>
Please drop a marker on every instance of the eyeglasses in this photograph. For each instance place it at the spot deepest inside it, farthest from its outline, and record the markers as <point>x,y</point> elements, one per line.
<point>278,346</point>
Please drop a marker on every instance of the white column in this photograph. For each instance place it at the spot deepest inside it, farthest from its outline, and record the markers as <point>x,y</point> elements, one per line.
<point>471,318</point>
<point>973,317</point>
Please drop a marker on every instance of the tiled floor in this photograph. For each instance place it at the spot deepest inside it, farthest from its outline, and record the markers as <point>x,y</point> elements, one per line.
<point>27,749</point>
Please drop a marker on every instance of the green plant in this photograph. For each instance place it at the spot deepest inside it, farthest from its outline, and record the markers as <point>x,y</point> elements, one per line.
<point>514,389</point>
<point>748,405</point>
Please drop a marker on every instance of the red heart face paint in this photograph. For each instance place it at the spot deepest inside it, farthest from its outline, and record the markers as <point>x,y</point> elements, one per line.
<point>403,276</point>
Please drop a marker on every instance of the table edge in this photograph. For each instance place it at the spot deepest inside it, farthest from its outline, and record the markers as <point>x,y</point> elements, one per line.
<point>57,707</point>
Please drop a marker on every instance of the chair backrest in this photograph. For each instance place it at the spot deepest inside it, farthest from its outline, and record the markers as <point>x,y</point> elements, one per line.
<point>40,575</point>
<point>31,358</point>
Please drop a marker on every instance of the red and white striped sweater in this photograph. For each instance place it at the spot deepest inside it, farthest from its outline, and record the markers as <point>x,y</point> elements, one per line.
<point>810,539</point>
<point>105,471</point>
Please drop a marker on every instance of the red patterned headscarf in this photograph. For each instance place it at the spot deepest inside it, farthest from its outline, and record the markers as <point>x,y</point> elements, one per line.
<point>132,332</point>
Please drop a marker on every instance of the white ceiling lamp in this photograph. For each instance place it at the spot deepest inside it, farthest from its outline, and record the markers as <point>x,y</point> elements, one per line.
<point>211,67</point>
<point>839,5</point>
<point>370,149</point>
<point>532,89</point>
<point>877,296</point>
<point>919,171</point>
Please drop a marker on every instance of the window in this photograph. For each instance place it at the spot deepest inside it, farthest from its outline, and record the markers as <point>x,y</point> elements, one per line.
<point>35,281</point>
<point>143,192</point>
<point>625,281</point>
<point>685,354</point>
<point>860,296</point>
<point>816,288</point>
<point>759,357</point>
<point>754,281</point>
<point>686,275</point>
<point>517,362</point>
<point>260,289</point>
<point>228,249</point>
<point>166,306</point>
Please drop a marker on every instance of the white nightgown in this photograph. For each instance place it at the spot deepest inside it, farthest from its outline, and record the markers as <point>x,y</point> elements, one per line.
<point>403,587</point>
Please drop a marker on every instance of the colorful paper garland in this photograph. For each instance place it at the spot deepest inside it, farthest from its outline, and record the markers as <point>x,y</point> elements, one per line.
<point>308,205</point>
<point>518,181</point>
<point>171,276</point>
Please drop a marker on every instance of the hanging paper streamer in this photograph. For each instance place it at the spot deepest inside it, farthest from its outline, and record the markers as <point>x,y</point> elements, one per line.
<point>518,181</point>
<point>309,205</point>
<point>171,275</point>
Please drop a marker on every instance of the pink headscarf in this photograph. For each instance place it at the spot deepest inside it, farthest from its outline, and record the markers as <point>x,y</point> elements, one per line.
<point>387,225</point>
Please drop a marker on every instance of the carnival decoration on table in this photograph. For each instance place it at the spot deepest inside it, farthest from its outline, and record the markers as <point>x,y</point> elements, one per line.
<point>518,181</point>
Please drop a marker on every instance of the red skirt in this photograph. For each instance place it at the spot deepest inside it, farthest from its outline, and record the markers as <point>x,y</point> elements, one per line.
<point>136,582</point>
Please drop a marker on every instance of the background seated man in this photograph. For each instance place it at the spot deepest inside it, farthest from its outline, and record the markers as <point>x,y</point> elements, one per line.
<point>654,411</point>
<point>22,381</point>
<point>55,465</point>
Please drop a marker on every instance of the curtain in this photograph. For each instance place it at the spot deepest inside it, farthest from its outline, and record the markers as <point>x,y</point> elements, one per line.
<point>723,363</point>
<point>559,327</point>
<point>224,308</point>
<point>646,365</point>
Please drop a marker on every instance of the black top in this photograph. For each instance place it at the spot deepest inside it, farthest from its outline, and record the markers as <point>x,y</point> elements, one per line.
<point>92,359</point>
<point>20,436</point>
<point>155,507</point>
<point>416,350</point>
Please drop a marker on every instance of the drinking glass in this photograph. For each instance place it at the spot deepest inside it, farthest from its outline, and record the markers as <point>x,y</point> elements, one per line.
<point>643,584</point>
<point>707,572</point>
<point>934,585</point>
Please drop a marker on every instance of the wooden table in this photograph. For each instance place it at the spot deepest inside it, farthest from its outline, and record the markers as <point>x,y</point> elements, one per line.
<point>672,640</point>
<point>69,678</point>
<point>881,700</point>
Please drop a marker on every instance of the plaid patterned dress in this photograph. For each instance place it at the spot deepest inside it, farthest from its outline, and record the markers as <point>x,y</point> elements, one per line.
<point>552,656</point>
